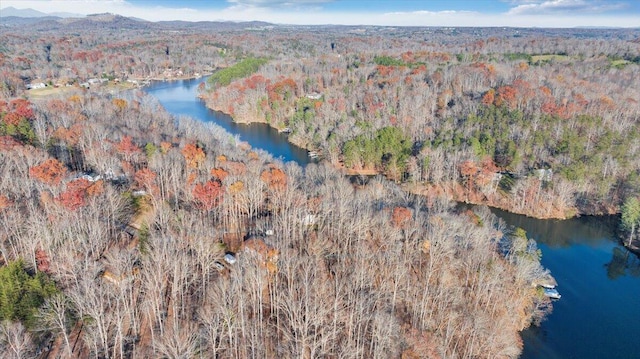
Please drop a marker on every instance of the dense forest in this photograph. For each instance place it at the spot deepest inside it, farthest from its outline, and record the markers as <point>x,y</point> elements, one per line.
<point>541,125</point>
<point>126,232</point>
<point>116,223</point>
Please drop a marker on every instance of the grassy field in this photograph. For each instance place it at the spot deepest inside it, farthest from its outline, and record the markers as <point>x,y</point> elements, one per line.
<point>68,90</point>
<point>51,91</point>
<point>546,58</point>
<point>619,63</point>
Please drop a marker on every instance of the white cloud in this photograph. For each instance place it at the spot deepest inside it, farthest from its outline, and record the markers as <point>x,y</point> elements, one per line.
<point>275,3</point>
<point>563,7</point>
<point>431,13</point>
<point>294,15</point>
<point>471,18</point>
<point>71,6</point>
<point>517,2</point>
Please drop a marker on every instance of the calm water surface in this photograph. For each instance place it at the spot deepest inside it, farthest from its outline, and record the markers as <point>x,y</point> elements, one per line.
<point>599,313</point>
<point>179,98</point>
<point>599,280</point>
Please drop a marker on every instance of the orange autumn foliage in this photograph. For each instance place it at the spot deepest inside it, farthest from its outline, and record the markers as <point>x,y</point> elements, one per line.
<point>506,95</point>
<point>71,136</point>
<point>545,91</point>
<point>194,155</point>
<point>96,188</point>
<point>208,195</point>
<point>50,172</point>
<point>71,200</point>
<point>401,217</point>
<point>191,178</point>
<point>468,169</point>
<point>523,66</point>
<point>5,202</point>
<point>127,167</point>
<point>253,156</point>
<point>489,97</point>
<point>219,173</point>
<point>165,147</point>
<point>75,99</point>
<point>120,104</point>
<point>549,107</point>
<point>488,165</point>
<point>275,178</point>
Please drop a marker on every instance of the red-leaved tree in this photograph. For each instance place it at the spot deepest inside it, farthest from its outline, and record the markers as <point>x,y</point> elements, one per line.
<point>208,195</point>
<point>146,179</point>
<point>50,172</point>
<point>75,195</point>
<point>401,217</point>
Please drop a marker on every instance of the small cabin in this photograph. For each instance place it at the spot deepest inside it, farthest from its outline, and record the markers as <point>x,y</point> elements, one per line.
<point>544,175</point>
<point>230,258</point>
<point>139,193</point>
<point>91,177</point>
<point>36,85</point>
<point>309,220</point>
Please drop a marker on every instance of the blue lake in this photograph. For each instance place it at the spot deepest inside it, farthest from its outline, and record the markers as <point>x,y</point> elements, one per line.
<point>599,313</point>
<point>179,97</point>
<point>599,280</point>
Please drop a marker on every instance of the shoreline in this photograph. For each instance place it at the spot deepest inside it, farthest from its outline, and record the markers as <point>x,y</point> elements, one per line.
<point>253,119</point>
<point>420,189</point>
<point>417,189</point>
<point>146,81</point>
<point>423,189</point>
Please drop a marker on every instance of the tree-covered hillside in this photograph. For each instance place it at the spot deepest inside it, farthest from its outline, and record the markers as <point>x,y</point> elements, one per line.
<point>507,110</point>
<point>126,232</point>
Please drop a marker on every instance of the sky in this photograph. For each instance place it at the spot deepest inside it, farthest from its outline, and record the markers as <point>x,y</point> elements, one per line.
<point>515,13</point>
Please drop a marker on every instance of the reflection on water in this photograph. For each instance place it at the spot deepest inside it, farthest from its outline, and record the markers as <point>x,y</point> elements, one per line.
<point>598,315</point>
<point>563,233</point>
<point>623,263</point>
<point>180,99</point>
<point>600,286</point>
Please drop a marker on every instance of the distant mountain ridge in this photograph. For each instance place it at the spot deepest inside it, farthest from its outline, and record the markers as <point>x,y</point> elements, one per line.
<point>40,21</point>
<point>12,11</point>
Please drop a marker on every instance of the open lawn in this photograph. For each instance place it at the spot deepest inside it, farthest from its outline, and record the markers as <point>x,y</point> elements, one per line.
<point>67,90</point>
<point>546,58</point>
<point>51,91</point>
<point>619,63</point>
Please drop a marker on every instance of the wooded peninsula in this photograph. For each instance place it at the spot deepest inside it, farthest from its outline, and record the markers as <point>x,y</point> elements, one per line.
<point>126,232</point>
